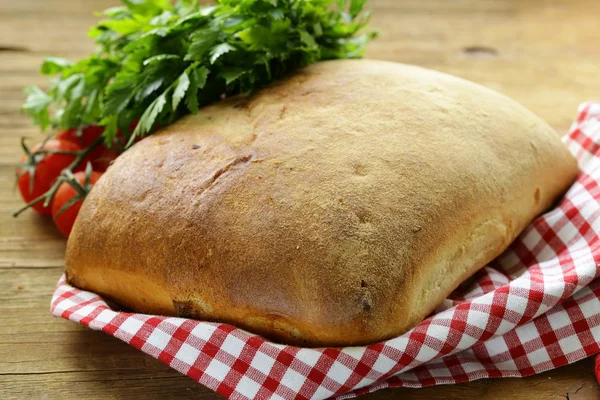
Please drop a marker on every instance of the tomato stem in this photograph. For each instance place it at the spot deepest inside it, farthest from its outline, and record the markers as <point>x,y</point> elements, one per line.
<point>30,204</point>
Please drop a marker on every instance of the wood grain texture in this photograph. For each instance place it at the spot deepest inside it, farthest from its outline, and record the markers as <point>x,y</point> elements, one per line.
<point>543,53</point>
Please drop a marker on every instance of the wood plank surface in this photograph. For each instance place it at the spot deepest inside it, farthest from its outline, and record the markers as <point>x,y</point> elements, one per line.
<point>543,53</point>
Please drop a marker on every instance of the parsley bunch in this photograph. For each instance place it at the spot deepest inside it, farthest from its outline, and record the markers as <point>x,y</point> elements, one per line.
<point>158,60</point>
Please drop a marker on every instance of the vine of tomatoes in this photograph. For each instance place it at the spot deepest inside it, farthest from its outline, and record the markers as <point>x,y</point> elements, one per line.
<point>54,176</point>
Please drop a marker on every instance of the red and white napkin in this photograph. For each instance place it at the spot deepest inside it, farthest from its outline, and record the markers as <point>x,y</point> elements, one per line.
<point>535,308</point>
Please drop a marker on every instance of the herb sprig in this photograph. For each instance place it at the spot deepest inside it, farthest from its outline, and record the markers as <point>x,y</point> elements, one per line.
<point>158,60</point>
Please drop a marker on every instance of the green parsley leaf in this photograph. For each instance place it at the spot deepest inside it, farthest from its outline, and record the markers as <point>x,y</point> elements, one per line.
<point>54,65</point>
<point>198,80</point>
<point>231,74</point>
<point>150,115</point>
<point>202,41</point>
<point>356,6</point>
<point>36,105</point>
<point>161,57</point>
<point>219,50</point>
<point>183,83</point>
<point>308,39</point>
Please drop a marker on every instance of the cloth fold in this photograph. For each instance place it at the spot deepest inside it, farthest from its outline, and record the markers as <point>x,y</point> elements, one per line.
<point>534,308</point>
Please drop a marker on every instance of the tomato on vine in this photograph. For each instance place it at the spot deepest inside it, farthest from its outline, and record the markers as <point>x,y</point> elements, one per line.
<point>103,158</point>
<point>84,137</point>
<point>69,198</point>
<point>41,166</point>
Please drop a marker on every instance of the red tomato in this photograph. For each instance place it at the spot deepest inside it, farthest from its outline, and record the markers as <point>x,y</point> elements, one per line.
<point>121,140</point>
<point>92,132</point>
<point>47,170</point>
<point>65,220</point>
<point>134,125</point>
<point>102,159</point>
<point>88,135</point>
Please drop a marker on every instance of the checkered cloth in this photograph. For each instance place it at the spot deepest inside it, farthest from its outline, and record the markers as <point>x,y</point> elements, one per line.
<point>535,308</point>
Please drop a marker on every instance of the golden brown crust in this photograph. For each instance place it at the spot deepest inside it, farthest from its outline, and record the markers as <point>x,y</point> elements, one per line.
<point>337,207</point>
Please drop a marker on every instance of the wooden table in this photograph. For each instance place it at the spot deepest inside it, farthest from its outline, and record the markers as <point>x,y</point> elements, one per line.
<point>545,54</point>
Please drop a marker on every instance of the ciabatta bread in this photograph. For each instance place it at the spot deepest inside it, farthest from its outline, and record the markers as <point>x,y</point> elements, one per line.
<point>337,207</point>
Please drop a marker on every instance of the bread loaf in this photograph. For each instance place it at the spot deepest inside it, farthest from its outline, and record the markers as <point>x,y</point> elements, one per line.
<point>337,207</point>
